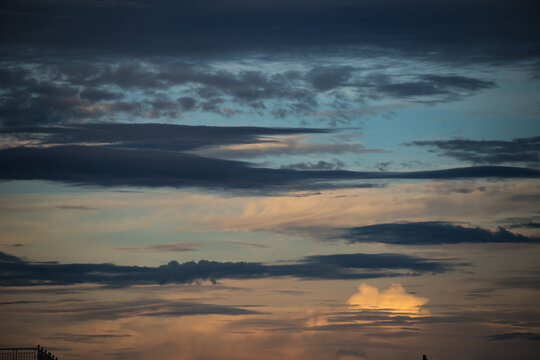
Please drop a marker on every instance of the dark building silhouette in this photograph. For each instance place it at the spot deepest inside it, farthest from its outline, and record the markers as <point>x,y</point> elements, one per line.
<point>30,353</point>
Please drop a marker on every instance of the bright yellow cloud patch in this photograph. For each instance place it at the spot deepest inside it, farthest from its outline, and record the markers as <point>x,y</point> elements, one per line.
<point>394,299</point>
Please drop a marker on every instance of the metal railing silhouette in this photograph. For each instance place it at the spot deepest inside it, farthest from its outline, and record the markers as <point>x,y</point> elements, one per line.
<point>30,353</point>
<point>39,353</point>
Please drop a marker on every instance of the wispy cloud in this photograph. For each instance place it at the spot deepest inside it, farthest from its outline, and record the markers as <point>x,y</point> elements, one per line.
<point>515,336</point>
<point>170,247</point>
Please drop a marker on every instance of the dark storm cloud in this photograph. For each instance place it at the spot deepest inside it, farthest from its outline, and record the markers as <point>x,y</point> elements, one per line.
<point>432,233</point>
<point>515,336</point>
<point>475,30</point>
<point>18,272</point>
<point>522,150</point>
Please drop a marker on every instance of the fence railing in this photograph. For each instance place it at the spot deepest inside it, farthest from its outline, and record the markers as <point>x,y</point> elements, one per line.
<point>31,353</point>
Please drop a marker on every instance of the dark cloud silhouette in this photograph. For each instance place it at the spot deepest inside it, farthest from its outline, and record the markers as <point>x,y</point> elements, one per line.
<point>514,336</point>
<point>476,30</point>
<point>18,272</point>
<point>450,87</point>
<point>522,150</point>
<point>432,233</point>
<point>151,136</point>
<point>105,166</point>
<point>154,155</point>
<point>110,166</point>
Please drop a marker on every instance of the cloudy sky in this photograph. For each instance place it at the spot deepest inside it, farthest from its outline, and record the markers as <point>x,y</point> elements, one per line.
<point>301,179</point>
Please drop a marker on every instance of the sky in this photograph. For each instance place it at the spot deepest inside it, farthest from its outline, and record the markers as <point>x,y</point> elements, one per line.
<point>230,179</point>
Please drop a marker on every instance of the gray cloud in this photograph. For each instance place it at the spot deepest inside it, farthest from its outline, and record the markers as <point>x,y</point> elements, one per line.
<point>94,94</point>
<point>515,336</point>
<point>522,150</point>
<point>151,135</point>
<point>429,87</point>
<point>324,78</point>
<point>187,103</point>
<point>110,310</point>
<point>105,166</point>
<point>530,224</point>
<point>500,32</point>
<point>57,94</point>
<point>432,233</point>
<point>320,165</point>
<point>526,281</point>
<point>17,272</point>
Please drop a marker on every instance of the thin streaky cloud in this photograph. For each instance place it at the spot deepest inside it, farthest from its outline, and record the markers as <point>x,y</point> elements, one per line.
<point>169,247</point>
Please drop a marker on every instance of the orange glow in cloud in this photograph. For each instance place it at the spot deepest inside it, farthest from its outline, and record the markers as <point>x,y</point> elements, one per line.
<point>395,299</point>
